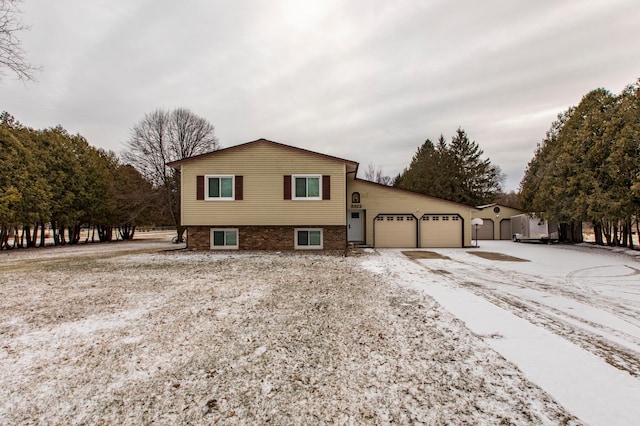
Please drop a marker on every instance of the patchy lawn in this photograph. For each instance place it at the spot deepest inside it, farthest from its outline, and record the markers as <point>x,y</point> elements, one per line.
<point>201,338</point>
<point>418,254</point>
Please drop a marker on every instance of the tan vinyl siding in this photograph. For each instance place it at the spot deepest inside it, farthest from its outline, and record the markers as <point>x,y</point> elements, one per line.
<point>377,199</point>
<point>263,167</point>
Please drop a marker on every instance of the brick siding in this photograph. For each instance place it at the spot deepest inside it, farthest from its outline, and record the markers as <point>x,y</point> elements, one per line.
<point>269,238</point>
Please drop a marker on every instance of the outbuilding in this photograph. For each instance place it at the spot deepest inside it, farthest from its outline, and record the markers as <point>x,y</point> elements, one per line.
<point>496,221</point>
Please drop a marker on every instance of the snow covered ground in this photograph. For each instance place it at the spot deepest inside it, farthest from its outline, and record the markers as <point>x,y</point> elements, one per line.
<point>568,316</point>
<point>135,332</point>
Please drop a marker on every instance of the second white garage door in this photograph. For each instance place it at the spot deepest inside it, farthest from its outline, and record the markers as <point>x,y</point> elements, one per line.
<point>395,230</point>
<point>441,230</point>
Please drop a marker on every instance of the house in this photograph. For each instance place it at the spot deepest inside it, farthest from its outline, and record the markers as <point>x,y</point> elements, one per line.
<point>496,220</point>
<point>264,195</point>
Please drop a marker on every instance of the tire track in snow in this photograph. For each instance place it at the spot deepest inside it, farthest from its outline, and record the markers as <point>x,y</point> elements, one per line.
<point>587,334</point>
<point>614,354</point>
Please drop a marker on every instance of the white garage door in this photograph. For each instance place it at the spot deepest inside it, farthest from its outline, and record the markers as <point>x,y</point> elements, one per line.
<point>441,230</point>
<point>395,230</point>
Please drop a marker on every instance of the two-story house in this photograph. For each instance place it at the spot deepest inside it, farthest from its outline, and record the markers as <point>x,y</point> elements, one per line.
<point>263,195</point>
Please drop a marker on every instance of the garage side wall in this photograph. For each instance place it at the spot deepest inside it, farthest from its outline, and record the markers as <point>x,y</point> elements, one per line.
<point>378,200</point>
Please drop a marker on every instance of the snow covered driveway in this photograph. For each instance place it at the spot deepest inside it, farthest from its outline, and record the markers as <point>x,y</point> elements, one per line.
<point>568,316</point>
<point>111,334</point>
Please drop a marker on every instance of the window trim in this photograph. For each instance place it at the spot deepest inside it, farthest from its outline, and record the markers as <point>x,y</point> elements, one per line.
<point>224,247</point>
<point>293,187</point>
<point>206,188</point>
<point>308,247</point>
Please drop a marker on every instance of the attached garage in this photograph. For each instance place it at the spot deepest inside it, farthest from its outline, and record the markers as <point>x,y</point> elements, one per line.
<point>441,230</point>
<point>485,231</point>
<point>395,230</point>
<point>445,224</point>
<point>505,229</point>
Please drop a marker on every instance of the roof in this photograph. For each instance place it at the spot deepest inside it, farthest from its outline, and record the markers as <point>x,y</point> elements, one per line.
<point>418,194</point>
<point>487,205</point>
<point>497,204</point>
<point>176,163</point>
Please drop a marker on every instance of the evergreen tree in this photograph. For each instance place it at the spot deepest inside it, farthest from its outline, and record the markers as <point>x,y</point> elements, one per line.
<point>539,185</point>
<point>587,168</point>
<point>478,180</point>
<point>454,171</point>
<point>420,174</point>
<point>52,177</point>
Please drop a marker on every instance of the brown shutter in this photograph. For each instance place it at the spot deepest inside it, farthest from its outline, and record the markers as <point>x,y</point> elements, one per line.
<point>238,188</point>
<point>287,187</point>
<point>199,187</point>
<point>326,187</point>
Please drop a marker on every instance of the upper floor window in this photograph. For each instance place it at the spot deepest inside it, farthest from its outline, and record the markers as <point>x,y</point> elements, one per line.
<point>219,187</point>
<point>307,187</point>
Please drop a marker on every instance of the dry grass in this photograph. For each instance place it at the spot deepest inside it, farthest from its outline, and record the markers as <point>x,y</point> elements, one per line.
<point>423,255</point>
<point>497,256</point>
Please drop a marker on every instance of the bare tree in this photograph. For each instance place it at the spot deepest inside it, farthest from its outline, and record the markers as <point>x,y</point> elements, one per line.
<point>162,137</point>
<point>374,174</point>
<point>12,56</point>
<point>510,199</point>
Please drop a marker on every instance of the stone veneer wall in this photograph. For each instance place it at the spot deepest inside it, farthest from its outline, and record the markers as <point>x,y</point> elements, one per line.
<point>272,238</point>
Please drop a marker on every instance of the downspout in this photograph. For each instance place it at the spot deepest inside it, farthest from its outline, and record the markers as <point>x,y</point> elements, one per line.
<point>346,211</point>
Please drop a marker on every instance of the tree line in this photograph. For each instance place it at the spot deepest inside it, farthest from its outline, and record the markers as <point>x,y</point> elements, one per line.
<point>587,168</point>
<point>54,183</point>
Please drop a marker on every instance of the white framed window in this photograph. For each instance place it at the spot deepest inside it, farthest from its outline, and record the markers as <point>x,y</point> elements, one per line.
<point>219,187</point>
<point>308,238</point>
<point>224,238</point>
<point>306,187</point>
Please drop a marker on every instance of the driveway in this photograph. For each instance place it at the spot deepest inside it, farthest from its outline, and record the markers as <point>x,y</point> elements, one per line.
<point>568,316</point>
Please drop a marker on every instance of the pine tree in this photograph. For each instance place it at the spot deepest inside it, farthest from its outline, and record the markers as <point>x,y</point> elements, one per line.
<point>454,171</point>
<point>478,180</point>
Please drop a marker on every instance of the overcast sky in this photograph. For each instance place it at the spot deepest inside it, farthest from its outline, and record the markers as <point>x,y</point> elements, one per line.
<point>365,80</point>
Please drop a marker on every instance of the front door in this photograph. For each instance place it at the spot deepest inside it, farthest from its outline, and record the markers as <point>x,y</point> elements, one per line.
<point>355,225</point>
